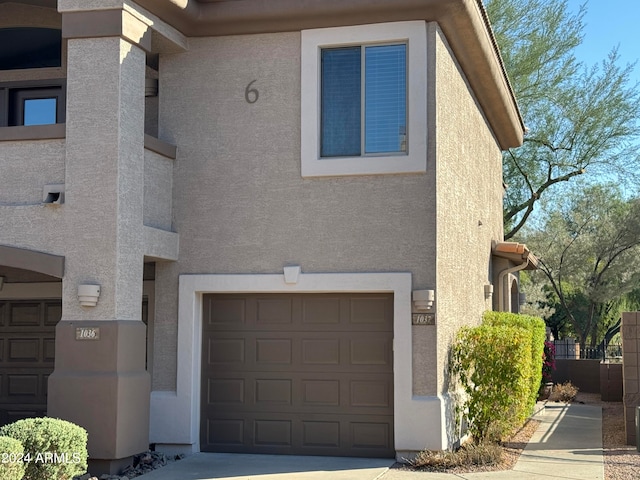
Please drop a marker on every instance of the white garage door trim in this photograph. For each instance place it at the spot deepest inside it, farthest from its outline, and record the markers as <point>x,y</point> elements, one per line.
<point>175,415</point>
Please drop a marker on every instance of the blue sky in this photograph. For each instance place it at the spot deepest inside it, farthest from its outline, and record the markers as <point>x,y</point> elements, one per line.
<point>610,23</point>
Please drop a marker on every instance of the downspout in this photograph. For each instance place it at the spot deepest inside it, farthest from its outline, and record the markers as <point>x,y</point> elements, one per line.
<point>503,286</point>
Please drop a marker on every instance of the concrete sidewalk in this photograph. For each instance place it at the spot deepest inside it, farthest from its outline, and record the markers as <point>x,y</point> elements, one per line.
<point>567,445</point>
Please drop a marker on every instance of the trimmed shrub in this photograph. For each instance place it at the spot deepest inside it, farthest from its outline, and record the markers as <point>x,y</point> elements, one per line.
<point>12,462</point>
<point>538,331</point>
<point>493,365</point>
<point>565,392</point>
<point>54,449</point>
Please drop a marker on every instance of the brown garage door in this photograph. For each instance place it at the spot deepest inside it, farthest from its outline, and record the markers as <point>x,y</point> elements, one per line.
<point>298,374</point>
<point>27,342</point>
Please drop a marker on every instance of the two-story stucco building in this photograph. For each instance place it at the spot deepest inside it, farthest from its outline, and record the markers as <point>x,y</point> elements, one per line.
<point>302,202</point>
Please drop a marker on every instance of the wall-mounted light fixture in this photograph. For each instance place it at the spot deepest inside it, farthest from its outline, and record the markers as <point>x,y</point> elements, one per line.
<point>488,291</point>
<point>423,300</point>
<point>1,282</point>
<point>88,295</point>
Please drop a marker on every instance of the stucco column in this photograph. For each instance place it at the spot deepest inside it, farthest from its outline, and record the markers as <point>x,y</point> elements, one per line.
<point>100,380</point>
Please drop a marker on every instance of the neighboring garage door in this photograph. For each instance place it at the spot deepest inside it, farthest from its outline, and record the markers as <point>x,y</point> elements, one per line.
<point>27,343</point>
<point>304,374</point>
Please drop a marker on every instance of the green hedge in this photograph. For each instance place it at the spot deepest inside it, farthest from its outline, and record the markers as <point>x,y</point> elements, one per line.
<point>54,449</point>
<point>499,365</point>
<point>538,330</point>
<point>11,463</point>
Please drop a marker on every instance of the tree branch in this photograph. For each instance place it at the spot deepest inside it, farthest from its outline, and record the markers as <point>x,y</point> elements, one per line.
<point>535,196</point>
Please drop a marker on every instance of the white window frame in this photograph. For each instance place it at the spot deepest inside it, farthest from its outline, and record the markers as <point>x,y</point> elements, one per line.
<point>414,34</point>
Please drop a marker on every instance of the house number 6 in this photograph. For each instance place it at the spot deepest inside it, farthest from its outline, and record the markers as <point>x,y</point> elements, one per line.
<point>251,95</point>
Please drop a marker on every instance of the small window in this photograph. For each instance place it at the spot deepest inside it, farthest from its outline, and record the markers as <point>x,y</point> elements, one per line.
<point>31,106</point>
<point>364,100</point>
<point>363,105</point>
<point>35,106</point>
<point>39,111</point>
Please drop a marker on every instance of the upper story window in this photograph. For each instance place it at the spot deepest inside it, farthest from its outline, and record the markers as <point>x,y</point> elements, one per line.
<point>364,100</point>
<point>31,102</point>
<point>28,47</point>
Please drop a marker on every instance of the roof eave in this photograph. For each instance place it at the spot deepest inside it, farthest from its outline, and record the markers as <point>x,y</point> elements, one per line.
<point>463,22</point>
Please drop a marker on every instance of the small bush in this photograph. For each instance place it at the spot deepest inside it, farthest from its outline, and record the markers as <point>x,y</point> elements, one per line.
<point>493,365</point>
<point>565,392</point>
<point>499,366</point>
<point>54,449</point>
<point>12,464</point>
<point>469,455</point>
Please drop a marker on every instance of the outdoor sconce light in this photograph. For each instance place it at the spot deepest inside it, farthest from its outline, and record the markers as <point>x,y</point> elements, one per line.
<point>88,295</point>
<point>488,291</point>
<point>423,299</point>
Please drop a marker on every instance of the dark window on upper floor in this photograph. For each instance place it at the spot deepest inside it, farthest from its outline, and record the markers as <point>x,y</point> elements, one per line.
<point>28,47</point>
<point>32,105</point>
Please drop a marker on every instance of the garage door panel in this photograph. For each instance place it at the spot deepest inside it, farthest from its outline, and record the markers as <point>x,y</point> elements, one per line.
<point>321,434</point>
<point>13,415</point>
<point>370,435</point>
<point>320,351</point>
<point>222,391</point>
<point>300,435</point>
<point>270,351</point>
<point>370,394</point>
<point>321,311</point>
<point>320,392</point>
<point>370,351</point>
<point>27,352</point>
<point>301,374</point>
<point>373,393</point>
<point>24,350</point>
<point>225,433</point>
<point>274,311</point>
<point>224,351</point>
<point>49,350</point>
<point>24,314</point>
<point>370,311</point>
<point>224,311</point>
<point>22,385</point>
<point>53,313</point>
<point>273,433</point>
<point>271,392</point>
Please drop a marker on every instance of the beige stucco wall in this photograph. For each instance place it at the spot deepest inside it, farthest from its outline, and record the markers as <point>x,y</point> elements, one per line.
<point>241,205</point>
<point>27,167</point>
<point>469,198</point>
<point>158,190</point>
